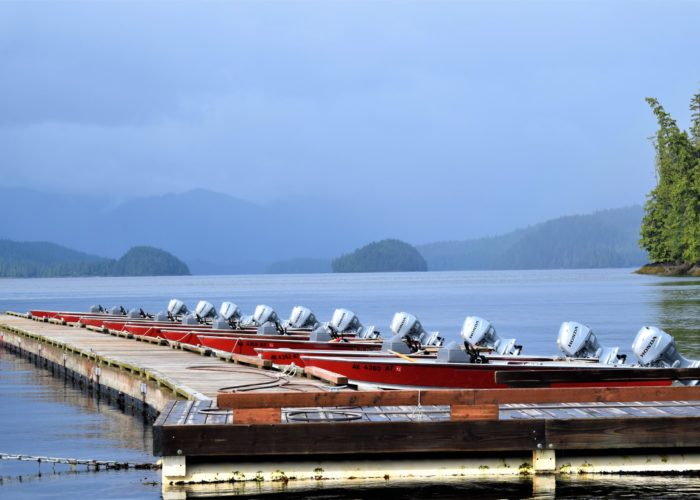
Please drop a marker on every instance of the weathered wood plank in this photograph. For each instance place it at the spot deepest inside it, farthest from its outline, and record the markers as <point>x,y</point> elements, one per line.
<point>289,399</point>
<point>362,438</point>
<point>257,416</point>
<point>620,433</point>
<point>474,412</point>
<point>328,376</point>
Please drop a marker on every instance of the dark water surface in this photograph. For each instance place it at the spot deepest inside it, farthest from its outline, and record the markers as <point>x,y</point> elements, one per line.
<point>43,415</point>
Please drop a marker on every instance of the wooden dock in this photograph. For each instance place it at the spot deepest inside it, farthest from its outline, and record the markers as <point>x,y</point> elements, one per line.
<point>151,371</point>
<point>236,420</point>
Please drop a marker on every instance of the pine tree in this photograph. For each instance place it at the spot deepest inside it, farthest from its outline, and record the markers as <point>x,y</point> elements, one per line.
<point>671,226</point>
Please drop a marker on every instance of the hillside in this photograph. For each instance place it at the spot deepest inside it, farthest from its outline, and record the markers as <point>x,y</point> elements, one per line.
<point>607,238</point>
<point>43,259</point>
<point>381,256</point>
<point>213,233</point>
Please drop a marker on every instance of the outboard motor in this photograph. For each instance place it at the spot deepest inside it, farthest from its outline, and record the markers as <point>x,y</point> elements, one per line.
<point>346,321</point>
<point>301,317</point>
<point>117,311</point>
<point>136,314</point>
<point>265,319</point>
<point>407,328</point>
<point>205,311</point>
<point>576,340</point>
<point>97,309</point>
<point>343,321</point>
<point>654,347</point>
<point>229,317</point>
<point>479,332</point>
<point>176,310</point>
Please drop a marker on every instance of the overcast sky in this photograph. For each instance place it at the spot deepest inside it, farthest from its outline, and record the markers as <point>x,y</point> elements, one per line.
<point>485,115</point>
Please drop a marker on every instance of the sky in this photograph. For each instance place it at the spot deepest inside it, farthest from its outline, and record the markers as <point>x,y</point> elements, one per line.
<point>467,117</point>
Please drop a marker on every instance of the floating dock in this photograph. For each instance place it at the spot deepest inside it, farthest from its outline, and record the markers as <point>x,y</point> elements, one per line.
<point>237,423</point>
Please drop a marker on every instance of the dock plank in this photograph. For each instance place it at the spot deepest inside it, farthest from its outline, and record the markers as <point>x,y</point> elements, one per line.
<point>204,375</point>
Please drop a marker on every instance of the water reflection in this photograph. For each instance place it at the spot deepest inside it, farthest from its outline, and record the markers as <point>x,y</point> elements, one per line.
<point>538,487</point>
<point>677,305</point>
<point>43,415</point>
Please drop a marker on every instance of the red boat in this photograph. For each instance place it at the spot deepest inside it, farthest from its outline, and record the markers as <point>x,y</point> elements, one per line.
<point>401,373</point>
<point>247,345</point>
<point>287,356</point>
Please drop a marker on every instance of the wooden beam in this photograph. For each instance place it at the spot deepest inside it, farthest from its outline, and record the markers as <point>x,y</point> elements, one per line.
<point>302,399</point>
<point>328,376</point>
<point>474,412</point>
<point>543,395</point>
<point>623,433</point>
<point>365,438</point>
<point>257,416</point>
<point>457,397</point>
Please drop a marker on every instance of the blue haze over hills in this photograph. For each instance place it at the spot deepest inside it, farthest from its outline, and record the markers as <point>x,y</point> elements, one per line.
<point>218,234</point>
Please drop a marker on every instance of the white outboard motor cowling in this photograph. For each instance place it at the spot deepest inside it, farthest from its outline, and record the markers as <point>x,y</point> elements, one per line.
<point>654,347</point>
<point>301,317</point>
<point>228,318</point>
<point>177,308</point>
<point>263,314</point>
<point>136,313</point>
<point>407,325</point>
<point>205,310</point>
<point>344,320</point>
<point>479,332</point>
<point>118,311</point>
<point>576,340</point>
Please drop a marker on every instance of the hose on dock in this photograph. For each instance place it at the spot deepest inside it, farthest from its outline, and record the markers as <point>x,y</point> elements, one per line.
<point>269,380</point>
<point>90,464</point>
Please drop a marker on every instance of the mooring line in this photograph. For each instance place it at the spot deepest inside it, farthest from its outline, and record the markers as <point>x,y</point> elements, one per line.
<point>95,464</point>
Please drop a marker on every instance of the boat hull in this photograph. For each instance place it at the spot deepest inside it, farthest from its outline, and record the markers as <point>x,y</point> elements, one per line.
<point>392,373</point>
<point>248,346</point>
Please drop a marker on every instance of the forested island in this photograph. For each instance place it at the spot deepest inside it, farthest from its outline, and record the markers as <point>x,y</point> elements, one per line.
<point>670,230</point>
<point>48,260</point>
<point>381,256</point>
<point>608,238</point>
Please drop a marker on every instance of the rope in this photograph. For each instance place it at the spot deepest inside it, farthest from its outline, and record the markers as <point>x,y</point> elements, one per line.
<point>96,464</point>
<point>292,370</point>
<point>179,340</point>
<point>418,413</point>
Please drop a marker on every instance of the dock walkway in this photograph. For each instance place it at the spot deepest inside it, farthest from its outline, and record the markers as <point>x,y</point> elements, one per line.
<point>174,372</point>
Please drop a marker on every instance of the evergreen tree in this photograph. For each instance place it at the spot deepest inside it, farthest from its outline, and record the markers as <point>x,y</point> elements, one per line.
<point>670,229</point>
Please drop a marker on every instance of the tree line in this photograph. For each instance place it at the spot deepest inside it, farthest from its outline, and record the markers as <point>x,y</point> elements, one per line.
<point>47,260</point>
<point>381,256</point>
<point>670,229</point>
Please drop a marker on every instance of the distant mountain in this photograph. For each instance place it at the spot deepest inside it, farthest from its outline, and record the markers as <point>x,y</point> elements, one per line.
<point>149,261</point>
<point>381,256</point>
<point>42,259</point>
<point>608,238</point>
<point>213,232</point>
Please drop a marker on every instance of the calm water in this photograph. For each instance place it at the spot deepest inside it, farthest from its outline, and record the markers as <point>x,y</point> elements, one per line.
<point>41,415</point>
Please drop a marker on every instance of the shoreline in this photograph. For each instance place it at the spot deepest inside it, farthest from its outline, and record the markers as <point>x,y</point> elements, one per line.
<point>670,269</point>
